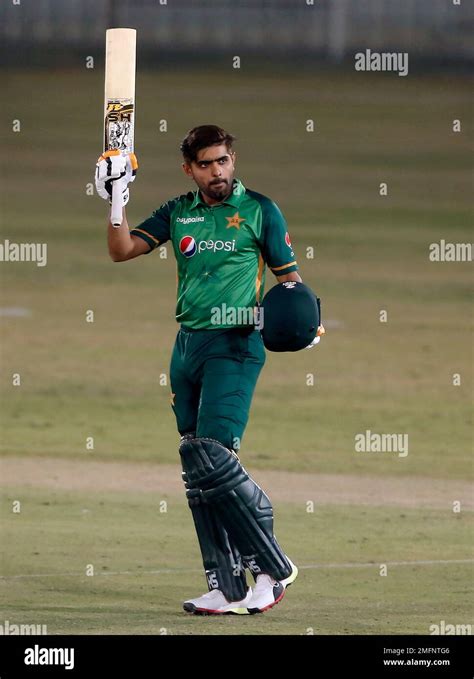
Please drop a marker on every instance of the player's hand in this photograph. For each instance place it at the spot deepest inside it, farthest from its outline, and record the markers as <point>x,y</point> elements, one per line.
<point>321,331</point>
<point>113,166</point>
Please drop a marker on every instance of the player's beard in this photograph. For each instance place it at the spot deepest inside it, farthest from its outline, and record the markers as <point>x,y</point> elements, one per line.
<point>221,193</point>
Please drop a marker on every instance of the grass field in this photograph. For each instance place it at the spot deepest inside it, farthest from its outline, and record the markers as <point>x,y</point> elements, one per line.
<point>102,379</point>
<point>140,574</point>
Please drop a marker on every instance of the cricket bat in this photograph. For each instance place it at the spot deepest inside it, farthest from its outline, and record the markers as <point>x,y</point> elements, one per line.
<point>119,102</point>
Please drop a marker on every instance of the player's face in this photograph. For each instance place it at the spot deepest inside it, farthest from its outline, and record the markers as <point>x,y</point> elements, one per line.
<point>213,172</point>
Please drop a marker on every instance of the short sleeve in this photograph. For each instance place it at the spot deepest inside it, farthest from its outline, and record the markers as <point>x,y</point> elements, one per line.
<point>156,229</point>
<point>276,246</point>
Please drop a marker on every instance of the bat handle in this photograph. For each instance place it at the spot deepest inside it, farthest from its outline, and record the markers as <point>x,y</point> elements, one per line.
<point>116,211</point>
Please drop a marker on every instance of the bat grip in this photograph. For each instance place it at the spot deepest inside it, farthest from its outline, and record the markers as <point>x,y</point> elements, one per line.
<point>116,211</point>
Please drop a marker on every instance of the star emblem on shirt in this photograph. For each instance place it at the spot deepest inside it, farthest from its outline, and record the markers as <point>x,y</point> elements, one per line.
<point>235,221</point>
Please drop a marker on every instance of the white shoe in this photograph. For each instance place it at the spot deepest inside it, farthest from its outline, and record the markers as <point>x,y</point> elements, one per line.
<point>215,603</point>
<point>268,591</point>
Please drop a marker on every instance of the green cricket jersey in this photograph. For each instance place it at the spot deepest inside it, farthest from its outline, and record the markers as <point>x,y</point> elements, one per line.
<point>221,252</point>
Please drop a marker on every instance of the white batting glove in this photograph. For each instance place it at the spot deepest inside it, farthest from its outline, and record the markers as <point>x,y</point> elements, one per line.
<point>113,166</point>
<point>317,339</point>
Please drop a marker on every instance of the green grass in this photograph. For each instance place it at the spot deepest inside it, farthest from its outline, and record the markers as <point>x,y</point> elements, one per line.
<point>146,562</point>
<point>102,379</point>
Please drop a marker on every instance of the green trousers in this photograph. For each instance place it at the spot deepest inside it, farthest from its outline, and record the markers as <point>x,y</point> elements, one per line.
<point>213,375</point>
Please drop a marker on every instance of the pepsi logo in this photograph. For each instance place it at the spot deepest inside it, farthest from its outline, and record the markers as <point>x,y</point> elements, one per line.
<point>287,239</point>
<point>187,246</point>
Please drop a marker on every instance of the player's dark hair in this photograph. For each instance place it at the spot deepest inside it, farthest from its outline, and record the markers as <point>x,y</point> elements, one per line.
<point>203,136</point>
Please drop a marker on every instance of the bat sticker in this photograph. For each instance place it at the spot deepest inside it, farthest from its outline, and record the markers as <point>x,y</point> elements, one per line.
<point>119,126</point>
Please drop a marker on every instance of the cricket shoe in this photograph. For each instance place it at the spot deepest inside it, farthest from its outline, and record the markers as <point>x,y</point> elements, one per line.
<point>268,591</point>
<point>215,603</point>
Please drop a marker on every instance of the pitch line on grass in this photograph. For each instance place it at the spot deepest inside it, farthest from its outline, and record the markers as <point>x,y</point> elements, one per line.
<point>177,571</point>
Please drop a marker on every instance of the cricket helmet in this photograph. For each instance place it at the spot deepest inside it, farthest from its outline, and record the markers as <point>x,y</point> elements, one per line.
<point>291,316</point>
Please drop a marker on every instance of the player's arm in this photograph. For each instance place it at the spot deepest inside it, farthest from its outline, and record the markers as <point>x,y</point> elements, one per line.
<point>115,169</point>
<point>293,276</point>
<point>144,238</point>
<point>278,251</point>
<point>276,245</point>
<point>122,244</point>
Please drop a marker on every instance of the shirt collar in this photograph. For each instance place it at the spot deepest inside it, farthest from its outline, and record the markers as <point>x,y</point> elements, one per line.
<point>234,198</point>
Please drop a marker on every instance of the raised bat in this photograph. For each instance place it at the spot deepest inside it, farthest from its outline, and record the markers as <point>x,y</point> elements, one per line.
<point>119,102</point>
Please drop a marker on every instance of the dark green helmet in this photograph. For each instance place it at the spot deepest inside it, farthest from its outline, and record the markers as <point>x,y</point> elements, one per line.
<point>291,317</point>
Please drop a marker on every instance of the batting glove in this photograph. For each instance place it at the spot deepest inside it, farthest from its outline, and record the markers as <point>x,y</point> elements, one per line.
<point>113,166</point>
<point>317,339</point>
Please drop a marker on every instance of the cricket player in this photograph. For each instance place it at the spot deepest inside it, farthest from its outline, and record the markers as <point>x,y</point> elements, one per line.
<point>223,235</point>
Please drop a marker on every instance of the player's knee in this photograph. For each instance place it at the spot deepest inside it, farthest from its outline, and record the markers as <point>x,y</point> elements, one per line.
<point>187,435</point>
<point>227,430</point>
<point>220,434</point>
